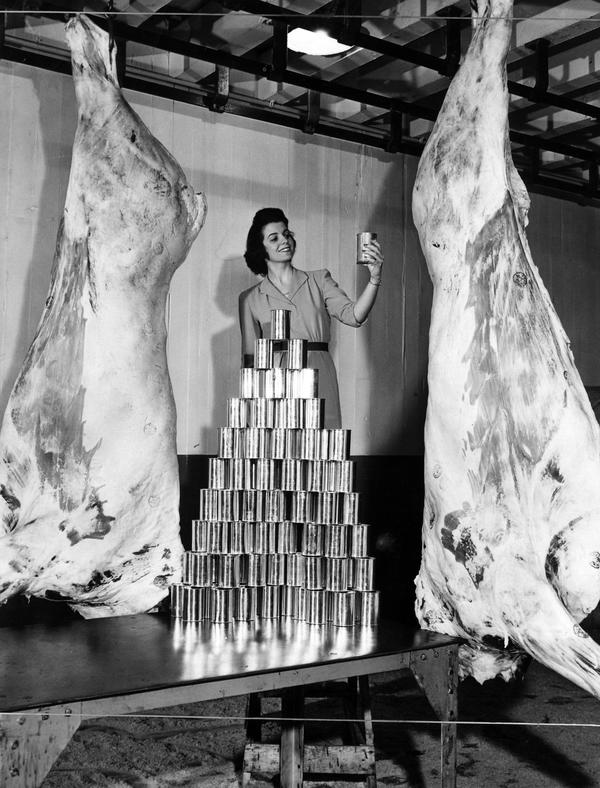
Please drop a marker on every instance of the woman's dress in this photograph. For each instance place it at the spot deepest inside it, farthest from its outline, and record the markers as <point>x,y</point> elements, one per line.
<point>313,299</point>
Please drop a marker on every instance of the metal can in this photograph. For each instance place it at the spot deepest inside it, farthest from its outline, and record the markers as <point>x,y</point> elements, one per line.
<point>217,473</point>
<point>176,593</point>
<point>350,508</point>
<point>315,612</point>
<point>301,507</point>
<point>295,569</point>
<point>226,441</point>
<point>248,383</point>
<point>237,413</point>
<point>312,539</point>
<point>208,504</point>
<point>343,476</point>
<point>244,605</point>
<point>251,443</point>
<point>198,569</point>
<point>289,602</point>
<point>265,537</point>
<point>315,475</point>
<point>263,353</point>
<point>323,443</point>
<point>336,541</point>
<point>217,540</point>
<point>369,608</point>
<point>256,570</point>
<point>336,574</point>
<point>193,604</point>
<point>265,474</point>
<point>309,443</point>
<point>291,475</point>
<point>236,473</point>
<point>274,506</point>
<point>308,383</point>
<point>339,444</point>
<point>314,572</point>
<point>228,570</point>
<point>301,604</point>
<point>280,323</point>
<point>228,504</point>
<point>275,569</point>
<point>274,383</point>
<point>342,608</point>
<point>236,537</point>
<point>361,240</point>
<point>200,531</point>
<point>296,358</point>
<point>221,604</point>
<point>359,540</point>
<point>363,574</point>
<point>292,442</point>
<point>327,507</point>
<point>270,602</point>
<point>314,410</point>
<point>252,506</point>
<point>278,444</point>
<point>287,537</point>
<point>329,477</point>
<point>294,414</point>
<point>261,412</point>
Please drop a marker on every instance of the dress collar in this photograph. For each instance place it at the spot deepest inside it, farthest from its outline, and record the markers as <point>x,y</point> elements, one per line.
<point>267,287</point>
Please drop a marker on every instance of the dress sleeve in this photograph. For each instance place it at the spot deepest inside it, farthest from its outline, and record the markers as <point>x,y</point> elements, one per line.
<point>338,304</point>
<point>249,328</point>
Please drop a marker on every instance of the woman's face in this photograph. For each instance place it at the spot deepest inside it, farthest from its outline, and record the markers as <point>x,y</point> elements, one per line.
<point>279,242</point>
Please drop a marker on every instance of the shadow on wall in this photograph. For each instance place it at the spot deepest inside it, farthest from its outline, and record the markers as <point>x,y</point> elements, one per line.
<point>53,127</point>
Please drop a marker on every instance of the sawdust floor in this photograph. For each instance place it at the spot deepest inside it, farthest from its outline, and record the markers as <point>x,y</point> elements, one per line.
<point>559,747</point>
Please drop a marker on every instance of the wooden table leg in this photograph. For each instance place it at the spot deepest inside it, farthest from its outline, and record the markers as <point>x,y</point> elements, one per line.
<point>30,743</point>
<point>291,751</point>
<point>436,672</point>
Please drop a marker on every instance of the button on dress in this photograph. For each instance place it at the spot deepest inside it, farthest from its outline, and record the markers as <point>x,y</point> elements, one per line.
<point>313,300</point>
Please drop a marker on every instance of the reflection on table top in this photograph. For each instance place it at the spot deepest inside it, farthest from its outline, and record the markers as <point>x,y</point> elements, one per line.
<point>78,660</point>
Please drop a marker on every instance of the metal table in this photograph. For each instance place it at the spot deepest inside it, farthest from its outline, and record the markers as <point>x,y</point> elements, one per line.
<point>53,676</point>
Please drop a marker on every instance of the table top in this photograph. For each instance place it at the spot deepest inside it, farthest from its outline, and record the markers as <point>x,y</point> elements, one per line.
<point>44,665</point>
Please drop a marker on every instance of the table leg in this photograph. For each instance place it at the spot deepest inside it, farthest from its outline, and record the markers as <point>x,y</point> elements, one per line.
<point>436,672</point>
<point>30,743</point>
<point>291,751</point>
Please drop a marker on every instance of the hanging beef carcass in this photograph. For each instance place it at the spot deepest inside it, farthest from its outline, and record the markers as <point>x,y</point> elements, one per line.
<point>511,530</point>
<point>89,486</point>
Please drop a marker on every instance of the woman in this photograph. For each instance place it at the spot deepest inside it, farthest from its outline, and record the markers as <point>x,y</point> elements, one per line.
<point>312,297</point>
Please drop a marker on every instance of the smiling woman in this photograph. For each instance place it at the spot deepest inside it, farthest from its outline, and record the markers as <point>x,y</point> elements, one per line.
<point>311,297</point>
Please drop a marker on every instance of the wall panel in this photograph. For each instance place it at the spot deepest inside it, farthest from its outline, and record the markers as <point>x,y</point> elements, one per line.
<point>330,190</point>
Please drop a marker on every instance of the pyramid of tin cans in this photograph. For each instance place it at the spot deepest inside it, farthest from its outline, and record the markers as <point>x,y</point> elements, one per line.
<point>278,533</point>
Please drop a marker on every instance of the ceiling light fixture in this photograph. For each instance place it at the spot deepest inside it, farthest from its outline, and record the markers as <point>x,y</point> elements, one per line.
<point>317,42</point>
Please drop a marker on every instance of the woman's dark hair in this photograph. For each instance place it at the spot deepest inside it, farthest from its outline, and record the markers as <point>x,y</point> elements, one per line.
<point>256,254</point>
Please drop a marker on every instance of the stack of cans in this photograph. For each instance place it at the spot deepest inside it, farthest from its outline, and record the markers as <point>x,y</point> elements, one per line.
<point>278,532</point>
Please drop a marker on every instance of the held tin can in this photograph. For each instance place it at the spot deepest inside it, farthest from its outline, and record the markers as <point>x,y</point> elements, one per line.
<point>361,239</point>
